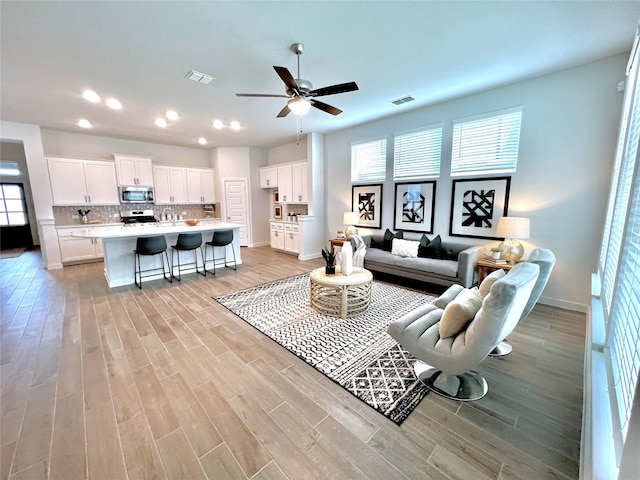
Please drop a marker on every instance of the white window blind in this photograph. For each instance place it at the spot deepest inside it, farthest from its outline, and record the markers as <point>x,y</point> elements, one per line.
<point>487,143</point>
<point>369,161</point>
<point>619,265</point>
<point>417,154</point>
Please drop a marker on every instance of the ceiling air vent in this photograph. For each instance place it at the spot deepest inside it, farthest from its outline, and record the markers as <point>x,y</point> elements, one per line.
<point>200,77</point>
<point>400,101</point>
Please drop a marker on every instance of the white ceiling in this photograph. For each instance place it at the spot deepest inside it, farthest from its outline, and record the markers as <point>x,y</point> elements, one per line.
<point>140,52</point>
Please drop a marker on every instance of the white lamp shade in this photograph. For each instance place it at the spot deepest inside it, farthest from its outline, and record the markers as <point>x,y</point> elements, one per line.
<point>299,106</point>
<point>350,218</point>
<point>513,227</point>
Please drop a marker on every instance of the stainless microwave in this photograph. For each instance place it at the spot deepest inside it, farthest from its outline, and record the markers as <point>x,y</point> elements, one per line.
<point>136,195</point>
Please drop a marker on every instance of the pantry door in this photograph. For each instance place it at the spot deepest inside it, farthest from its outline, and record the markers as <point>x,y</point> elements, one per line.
<point>236,203</point>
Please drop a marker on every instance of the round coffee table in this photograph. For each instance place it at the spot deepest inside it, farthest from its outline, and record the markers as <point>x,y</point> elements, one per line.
<point>340,295</point>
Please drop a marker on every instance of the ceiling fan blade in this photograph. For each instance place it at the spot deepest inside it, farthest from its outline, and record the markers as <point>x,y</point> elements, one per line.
<point>260,95</point>
<point>334,89</point>
<point>284,112</point>
<point>287,78</point>
<point>325,108</point>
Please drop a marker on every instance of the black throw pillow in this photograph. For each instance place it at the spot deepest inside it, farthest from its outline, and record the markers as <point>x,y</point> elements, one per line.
<point>424,240</point>
<point>388,238</point>
<point>432,250</point>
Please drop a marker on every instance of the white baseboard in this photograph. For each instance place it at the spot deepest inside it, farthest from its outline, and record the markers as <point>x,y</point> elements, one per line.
<point>259,244</point>
<point>555,302</point>
<point>310,256</point>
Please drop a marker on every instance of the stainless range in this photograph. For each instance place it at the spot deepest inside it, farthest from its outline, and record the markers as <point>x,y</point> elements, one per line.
<point>133,218</point>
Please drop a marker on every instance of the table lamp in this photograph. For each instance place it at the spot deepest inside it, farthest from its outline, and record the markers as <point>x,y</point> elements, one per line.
<point>350,219</point>
<point>512,228</point>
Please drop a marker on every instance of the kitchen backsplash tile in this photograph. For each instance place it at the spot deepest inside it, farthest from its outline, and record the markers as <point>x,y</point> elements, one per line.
<point>111,213</point>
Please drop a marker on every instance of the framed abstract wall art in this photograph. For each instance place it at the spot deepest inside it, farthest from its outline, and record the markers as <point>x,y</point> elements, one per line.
<point>414,206</point>
<point>367,201</point>
<point>476,206</point>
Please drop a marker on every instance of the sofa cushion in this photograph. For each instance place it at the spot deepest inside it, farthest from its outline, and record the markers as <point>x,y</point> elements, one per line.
<point>489,280</point>
<point>432,250</point>
<point>460,312</point>
<point>388,238</point>
<point>424,240</point>
<point>404,248</point>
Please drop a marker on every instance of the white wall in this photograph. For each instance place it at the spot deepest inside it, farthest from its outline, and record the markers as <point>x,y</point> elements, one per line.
<point>291,152</point>
<point>79,145</point>
<point>567,146</point>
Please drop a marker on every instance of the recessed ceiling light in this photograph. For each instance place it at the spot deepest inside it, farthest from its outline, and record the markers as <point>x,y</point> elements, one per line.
<point>161,122</point>
<point>235,125</point>
<point>218,124</point>
<point>114,103</point>
<point>172,115</point>
<point>202,141</point>
<point>91,96</point>
<point>84,123</point>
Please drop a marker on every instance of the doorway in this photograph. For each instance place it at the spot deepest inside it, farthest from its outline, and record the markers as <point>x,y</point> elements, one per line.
<point>15,231</point>
<point>237,207</point>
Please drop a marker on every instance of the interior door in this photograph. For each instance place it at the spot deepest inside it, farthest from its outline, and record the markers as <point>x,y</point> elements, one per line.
<point>15,231</point>
<point>236,202</point>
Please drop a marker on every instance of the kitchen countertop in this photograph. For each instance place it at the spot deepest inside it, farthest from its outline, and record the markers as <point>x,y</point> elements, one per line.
<point>152,229</point>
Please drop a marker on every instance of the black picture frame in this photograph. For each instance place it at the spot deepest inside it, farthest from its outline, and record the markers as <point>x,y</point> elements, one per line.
<point>366,200</point>
<point>476,206</point>
<point>414,206</point>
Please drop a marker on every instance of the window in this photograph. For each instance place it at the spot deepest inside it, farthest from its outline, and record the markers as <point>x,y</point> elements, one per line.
<point>619,266</point>
<point>369,161</point>
<point>12,206</point>
<point>486,143</point>
<point>416,154</point>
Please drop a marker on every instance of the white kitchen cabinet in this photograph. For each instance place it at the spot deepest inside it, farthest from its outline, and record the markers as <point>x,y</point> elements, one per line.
<point>77,250</point>
<point>291,238</point>
<point>285,187</point>
<point>268,177</point>
<point>201,185</point>
<point>82,182</point>
<point>170,184</point>
<point>277,235</point>
<point>300,183</point>
<point>134,171</point>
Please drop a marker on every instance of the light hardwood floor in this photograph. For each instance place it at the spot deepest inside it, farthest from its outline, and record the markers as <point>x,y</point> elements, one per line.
<point>165,383</point>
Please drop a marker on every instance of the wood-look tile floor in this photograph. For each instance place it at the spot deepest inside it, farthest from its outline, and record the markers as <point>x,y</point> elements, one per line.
<point>165,383</point>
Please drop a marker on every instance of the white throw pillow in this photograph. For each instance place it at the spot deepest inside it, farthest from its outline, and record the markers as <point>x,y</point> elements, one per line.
<point>405,248</point>
<point>459,312</point>
<point>489,280</point>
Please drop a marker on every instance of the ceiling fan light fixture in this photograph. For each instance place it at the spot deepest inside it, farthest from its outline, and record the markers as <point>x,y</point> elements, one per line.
<point>299,105</point>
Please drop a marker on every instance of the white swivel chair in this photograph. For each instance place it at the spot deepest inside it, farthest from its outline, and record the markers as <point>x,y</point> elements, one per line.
<point>445,364</point>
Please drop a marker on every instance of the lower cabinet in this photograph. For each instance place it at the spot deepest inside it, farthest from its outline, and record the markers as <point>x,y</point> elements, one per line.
<point>285,236</point>
<point>74,249</point>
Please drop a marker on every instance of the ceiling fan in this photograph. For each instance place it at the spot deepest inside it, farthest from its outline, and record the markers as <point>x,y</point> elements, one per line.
<point>300,92</point>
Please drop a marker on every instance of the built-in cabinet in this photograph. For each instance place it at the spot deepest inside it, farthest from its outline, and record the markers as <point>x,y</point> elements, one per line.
<point>74,249</point>
<point>170,184</point>
<point>291,180</point>
<point>82,182</point>
<point>134,170</point>
<point>201,185</point>
<point>285,236</point>
<point>268,177</point>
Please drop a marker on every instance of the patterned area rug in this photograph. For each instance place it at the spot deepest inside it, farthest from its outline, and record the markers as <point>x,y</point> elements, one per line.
<point>357,353</point>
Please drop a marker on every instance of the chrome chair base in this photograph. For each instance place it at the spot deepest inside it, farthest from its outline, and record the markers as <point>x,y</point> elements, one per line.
<point>502,349</point>
<point>466,387</point>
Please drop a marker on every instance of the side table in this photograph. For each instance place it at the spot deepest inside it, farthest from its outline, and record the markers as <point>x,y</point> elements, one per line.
<point>485,267</point>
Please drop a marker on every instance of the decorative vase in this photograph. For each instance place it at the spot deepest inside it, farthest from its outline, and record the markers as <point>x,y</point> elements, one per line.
<point>346,258</point>
<point>330,270</point>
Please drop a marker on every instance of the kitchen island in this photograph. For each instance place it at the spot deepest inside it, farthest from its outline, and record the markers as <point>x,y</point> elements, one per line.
<point>119,242</point>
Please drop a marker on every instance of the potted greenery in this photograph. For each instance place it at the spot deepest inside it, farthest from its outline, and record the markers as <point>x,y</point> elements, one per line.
<point>495,253</point>
<point>330,258</point>
<point>340,233</point>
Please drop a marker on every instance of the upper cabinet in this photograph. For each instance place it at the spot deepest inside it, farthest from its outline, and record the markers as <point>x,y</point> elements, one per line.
<point>285,187</point>
<point>134,170</point>
<point>82,182</point>
<point>300,183</point>
<point>170,184</point>
<point>201,185</point>
<point>268,177</point>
